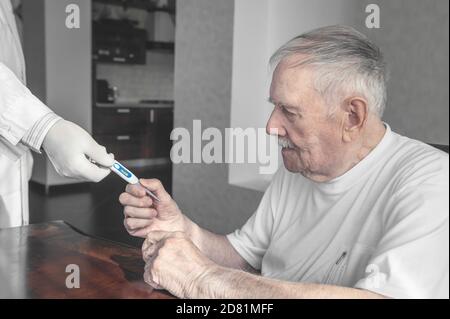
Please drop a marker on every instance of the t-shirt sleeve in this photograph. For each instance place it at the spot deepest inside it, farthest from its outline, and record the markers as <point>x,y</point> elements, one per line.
<point>253,239</point>
<point>412,257</point>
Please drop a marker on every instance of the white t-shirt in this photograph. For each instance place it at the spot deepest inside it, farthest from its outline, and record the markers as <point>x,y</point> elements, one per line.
<point>382,226</point>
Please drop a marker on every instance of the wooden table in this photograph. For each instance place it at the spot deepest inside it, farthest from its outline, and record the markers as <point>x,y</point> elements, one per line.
<point>33,261</point>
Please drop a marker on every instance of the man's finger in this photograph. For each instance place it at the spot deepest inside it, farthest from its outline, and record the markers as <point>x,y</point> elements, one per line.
<point>141,232</point>
<point>158,235</point>
<point>154,185</point>
<point>150,251</point>
<point>143,213</point>
<point>126,199</point>
<point>135,190</point>
<point>136,223</point>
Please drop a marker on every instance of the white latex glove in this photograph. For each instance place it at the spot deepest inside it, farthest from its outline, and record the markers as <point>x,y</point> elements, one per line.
<point>67,146</point>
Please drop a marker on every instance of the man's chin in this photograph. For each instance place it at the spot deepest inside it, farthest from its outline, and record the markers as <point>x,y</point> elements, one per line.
<point>289,162</point>
<point>296,170</point>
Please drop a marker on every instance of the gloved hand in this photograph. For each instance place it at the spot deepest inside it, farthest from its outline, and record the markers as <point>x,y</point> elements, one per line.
<point>67,146</point>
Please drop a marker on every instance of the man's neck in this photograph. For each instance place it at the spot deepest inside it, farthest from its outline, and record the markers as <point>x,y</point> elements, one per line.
<point>370,138</point>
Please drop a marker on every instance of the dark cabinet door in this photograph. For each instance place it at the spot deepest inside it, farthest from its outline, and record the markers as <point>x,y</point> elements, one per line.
<point>134,133</point>
<point>127,146</point>
<point>123,120</point>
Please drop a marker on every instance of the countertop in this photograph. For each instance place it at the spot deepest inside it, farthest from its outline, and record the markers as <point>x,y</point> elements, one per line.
<point>136,104</point>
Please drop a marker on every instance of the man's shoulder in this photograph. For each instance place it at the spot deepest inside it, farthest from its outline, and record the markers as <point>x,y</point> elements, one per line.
<point>420,177</point>
<point>415,162</point>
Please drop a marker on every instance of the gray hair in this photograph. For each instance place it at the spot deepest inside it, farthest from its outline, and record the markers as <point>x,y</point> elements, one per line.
<point>346,61</point>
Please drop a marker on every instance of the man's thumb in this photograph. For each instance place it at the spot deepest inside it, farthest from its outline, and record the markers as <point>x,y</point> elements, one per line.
<point>154,237</point>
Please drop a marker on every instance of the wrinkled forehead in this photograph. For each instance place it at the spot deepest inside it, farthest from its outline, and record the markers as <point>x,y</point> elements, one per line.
<point>289,75</point>
<point>292,61</point>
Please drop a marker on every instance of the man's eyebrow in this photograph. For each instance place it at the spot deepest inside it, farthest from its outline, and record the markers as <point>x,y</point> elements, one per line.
<point>288,106</point>
<point>270,100</point>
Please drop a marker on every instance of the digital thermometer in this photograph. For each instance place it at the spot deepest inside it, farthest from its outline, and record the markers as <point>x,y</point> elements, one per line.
<point>129,177</point>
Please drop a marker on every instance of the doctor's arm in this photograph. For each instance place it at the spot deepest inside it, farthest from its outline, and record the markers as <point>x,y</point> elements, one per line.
<point>25,120</point>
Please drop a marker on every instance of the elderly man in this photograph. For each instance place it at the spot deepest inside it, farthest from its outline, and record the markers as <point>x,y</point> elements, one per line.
<point>357,211</point>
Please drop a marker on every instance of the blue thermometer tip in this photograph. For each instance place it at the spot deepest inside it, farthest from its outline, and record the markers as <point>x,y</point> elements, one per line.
<point>129,177</point>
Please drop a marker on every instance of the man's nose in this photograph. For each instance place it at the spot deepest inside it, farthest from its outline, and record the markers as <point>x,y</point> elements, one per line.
<point>274,124</point>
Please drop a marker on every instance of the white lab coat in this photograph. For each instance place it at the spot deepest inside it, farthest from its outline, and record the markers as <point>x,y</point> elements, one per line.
<point>15,119</point>
<point>15,161</point>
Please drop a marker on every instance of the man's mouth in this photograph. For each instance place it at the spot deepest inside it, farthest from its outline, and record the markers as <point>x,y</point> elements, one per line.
<point>285,143</point>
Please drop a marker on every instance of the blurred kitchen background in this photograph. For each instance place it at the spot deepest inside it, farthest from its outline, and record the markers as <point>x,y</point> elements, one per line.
<point>135,69</point>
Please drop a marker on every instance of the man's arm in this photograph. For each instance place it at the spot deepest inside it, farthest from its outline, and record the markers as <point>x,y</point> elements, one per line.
<point>221,282</point>
<point>175,263</point>
<point>217,248</point>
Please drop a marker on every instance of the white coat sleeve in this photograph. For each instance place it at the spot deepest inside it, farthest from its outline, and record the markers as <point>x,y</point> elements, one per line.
<point>20,110</point>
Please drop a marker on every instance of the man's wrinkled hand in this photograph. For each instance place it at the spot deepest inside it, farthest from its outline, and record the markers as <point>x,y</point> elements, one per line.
<point>144,215</point>
<point>174,263</point>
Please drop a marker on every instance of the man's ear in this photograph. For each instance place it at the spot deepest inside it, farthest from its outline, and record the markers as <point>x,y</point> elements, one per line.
<point>356,112</point>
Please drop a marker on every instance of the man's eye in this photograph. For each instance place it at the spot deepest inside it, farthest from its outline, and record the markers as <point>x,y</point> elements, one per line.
<point>285,111</point>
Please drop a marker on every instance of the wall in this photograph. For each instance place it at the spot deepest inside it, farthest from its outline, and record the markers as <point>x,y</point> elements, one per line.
<point>290,18</point>
<point>249,91</point>
<point>33,35</point>
<point>203,66</point>
<point>152,81</point>
<point>68,62</point>
<point>414,37</point>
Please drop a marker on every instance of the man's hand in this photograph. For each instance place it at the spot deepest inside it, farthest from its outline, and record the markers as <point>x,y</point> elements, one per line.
<point>67,146</point>
<point>174,263</point>
<point>144,215</point>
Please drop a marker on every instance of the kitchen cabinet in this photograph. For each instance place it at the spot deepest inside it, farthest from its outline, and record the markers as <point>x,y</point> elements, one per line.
<point>61,71</point>
<point>116,41</point>
<point>125,40</point>
<point>134,133</point>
